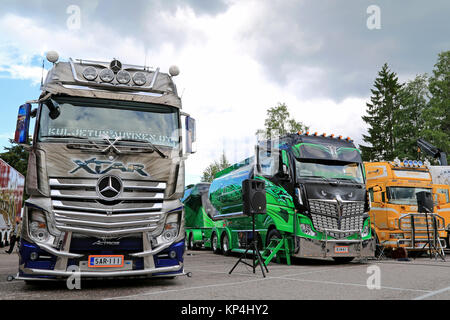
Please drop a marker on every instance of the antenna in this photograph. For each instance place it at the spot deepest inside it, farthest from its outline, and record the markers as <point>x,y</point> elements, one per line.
<point>42,74</point>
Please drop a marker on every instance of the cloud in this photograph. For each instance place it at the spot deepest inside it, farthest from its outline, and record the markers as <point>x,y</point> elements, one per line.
<point>239,58</point>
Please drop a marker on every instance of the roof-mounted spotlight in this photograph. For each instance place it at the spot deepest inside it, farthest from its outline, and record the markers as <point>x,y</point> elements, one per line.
<point>331,135</point>
<point>316,133</point>
<point>307,133</point>
<point>324,134</point>
<point>299,132</point>
<point>340,137</point>
<point>174,71</point>
<point>52,56</point>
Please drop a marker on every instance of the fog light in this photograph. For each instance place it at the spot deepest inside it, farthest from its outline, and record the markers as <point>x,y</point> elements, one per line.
<point>34,256</point>
<point>172,254</point>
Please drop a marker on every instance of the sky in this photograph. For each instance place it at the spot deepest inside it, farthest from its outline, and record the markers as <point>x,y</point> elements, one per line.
<point>237,57</point>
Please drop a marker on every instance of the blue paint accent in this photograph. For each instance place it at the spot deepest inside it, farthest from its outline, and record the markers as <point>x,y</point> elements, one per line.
<point>168,262</point>
<point>25,250</point>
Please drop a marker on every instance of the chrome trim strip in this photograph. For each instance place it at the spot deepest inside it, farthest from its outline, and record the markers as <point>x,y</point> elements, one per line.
<point>58,204</point>
<point>108,225</point>
<point>105,233</point>
<point>152,252</point>
<point>100,274</point>
<point>108,218</point>
<point>56,252</point>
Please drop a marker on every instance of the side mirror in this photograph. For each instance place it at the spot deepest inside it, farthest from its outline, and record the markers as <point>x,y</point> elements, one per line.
<point>377,196</point>
<point>285,162</point>
<point>23,124</point>
<point>190,134</point>
<point>377,188</point>
<point>54,109</point>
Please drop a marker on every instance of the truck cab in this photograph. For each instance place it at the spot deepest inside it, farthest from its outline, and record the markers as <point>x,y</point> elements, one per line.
<point>105,173</point>
<point>315,193</point>
<point>393,186</point>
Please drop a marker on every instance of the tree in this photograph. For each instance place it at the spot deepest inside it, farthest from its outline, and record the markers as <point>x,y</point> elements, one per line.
<point>381,117</point>
<point>279,120</point>
<point>215,167</point>
<point>410,121</point>
<point>437,116</point>
<point>16,156</point>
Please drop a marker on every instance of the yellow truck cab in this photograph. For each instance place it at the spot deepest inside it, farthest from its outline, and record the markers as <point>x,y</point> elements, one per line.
<point>441,194</point>
<point>392,188</point>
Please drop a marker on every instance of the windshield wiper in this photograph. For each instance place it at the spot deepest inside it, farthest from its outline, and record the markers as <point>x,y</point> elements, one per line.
<point>64,136</point>
<point>321,177</point>
<point>149,143</point>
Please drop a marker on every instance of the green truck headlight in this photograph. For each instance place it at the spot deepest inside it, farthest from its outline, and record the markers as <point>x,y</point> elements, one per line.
<point>306,229</point>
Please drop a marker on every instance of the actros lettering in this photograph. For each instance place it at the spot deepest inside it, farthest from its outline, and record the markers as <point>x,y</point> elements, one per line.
<point>94,166</point>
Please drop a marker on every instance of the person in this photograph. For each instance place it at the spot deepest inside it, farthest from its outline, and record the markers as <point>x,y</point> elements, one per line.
<point>15,237</point>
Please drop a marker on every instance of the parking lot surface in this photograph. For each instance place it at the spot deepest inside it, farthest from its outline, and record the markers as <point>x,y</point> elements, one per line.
<point>421,278</point>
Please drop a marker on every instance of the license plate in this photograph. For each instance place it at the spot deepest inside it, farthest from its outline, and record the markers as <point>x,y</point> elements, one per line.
<point>105,261</point>
<point>341,249</point>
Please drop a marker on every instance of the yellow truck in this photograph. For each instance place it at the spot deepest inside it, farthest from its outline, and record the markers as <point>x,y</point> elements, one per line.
<point>392,189</point>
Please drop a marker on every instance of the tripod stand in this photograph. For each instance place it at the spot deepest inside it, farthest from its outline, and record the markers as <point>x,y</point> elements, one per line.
<point>432,244</point>
<point>253,246</point>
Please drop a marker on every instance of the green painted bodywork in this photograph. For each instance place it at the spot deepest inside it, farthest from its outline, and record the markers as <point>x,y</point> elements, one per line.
<point>226,196</point>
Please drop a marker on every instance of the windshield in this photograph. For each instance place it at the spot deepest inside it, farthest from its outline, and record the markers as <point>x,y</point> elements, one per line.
<point>99,119</point>
<point>404,195</point>
<point>345,171</point>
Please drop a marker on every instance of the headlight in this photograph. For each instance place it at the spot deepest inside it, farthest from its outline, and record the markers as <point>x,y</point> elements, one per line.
<point>397,236</point>
<point>90,73</point>
<point>139,78</point>
<point>365,231</point>
<point>107,75</point>
<point>170,232</point>
<point>123,77</point>
<point>306,229</point>
<point>38,227</point>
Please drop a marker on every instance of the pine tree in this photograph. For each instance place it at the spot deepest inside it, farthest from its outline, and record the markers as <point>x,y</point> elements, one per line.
<point>16,156</point>
<point>437,116</point>
<point>381,111</point>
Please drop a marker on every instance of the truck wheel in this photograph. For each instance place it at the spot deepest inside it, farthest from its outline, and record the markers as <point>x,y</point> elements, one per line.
<point>343,259</point>
<point>273,234</point>
<point>214,244</point>
<point>226,245</point>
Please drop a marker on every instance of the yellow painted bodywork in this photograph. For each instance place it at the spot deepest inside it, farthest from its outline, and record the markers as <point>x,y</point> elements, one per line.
<point>384,215</point>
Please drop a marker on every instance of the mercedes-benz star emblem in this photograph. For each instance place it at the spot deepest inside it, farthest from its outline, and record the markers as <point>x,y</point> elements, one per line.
<point>109,187</point>
<point>115,65</point>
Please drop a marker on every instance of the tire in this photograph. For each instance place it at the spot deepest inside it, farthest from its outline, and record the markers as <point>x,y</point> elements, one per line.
<point>343,259</point>
<point>214,244</point>
<point>226,251</point>
<point>378,249</point>
<point>273,234</point>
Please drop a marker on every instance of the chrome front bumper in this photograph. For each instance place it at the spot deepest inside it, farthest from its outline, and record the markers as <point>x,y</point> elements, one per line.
<point>311,248</point>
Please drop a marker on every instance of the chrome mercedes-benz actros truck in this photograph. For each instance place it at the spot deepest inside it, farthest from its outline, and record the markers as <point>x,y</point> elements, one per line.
<point>105,173</point>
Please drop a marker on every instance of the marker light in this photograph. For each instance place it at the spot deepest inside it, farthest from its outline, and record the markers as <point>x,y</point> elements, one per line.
<point>139,78</point>
<point>340,137</point>
<point>348,139</point>
<point>299,132</point>
<point>415,163</point>
<point>123,77</point>
<point>324,134</point>
<point>405,163</point>
<point>316,133</point>
<point>90,73</point>
<point>307,133</point>
<point>411,163</point>
<point>332,135</point>
<point>107,75</point>
<point>420,163</point>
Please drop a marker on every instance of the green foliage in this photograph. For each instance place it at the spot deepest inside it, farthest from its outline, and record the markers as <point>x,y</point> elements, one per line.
<point>214,168</point>
<point>437,115</point>
<point>16,156</point>
<point>381,117</point>
<point>399,114</point>
<point>279,121</point>
<point>410,121</point>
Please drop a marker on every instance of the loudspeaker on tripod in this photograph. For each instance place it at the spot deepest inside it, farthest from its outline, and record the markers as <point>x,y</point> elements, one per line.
<point>254,197</point>
<point>424,202</point>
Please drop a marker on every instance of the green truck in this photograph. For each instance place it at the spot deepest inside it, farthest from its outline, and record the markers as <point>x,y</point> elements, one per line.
<point>198,212</point>
<point>317,204</point>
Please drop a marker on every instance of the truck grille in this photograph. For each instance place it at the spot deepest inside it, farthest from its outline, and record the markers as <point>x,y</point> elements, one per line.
<point>78,208</point>
<point>326,215</point>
